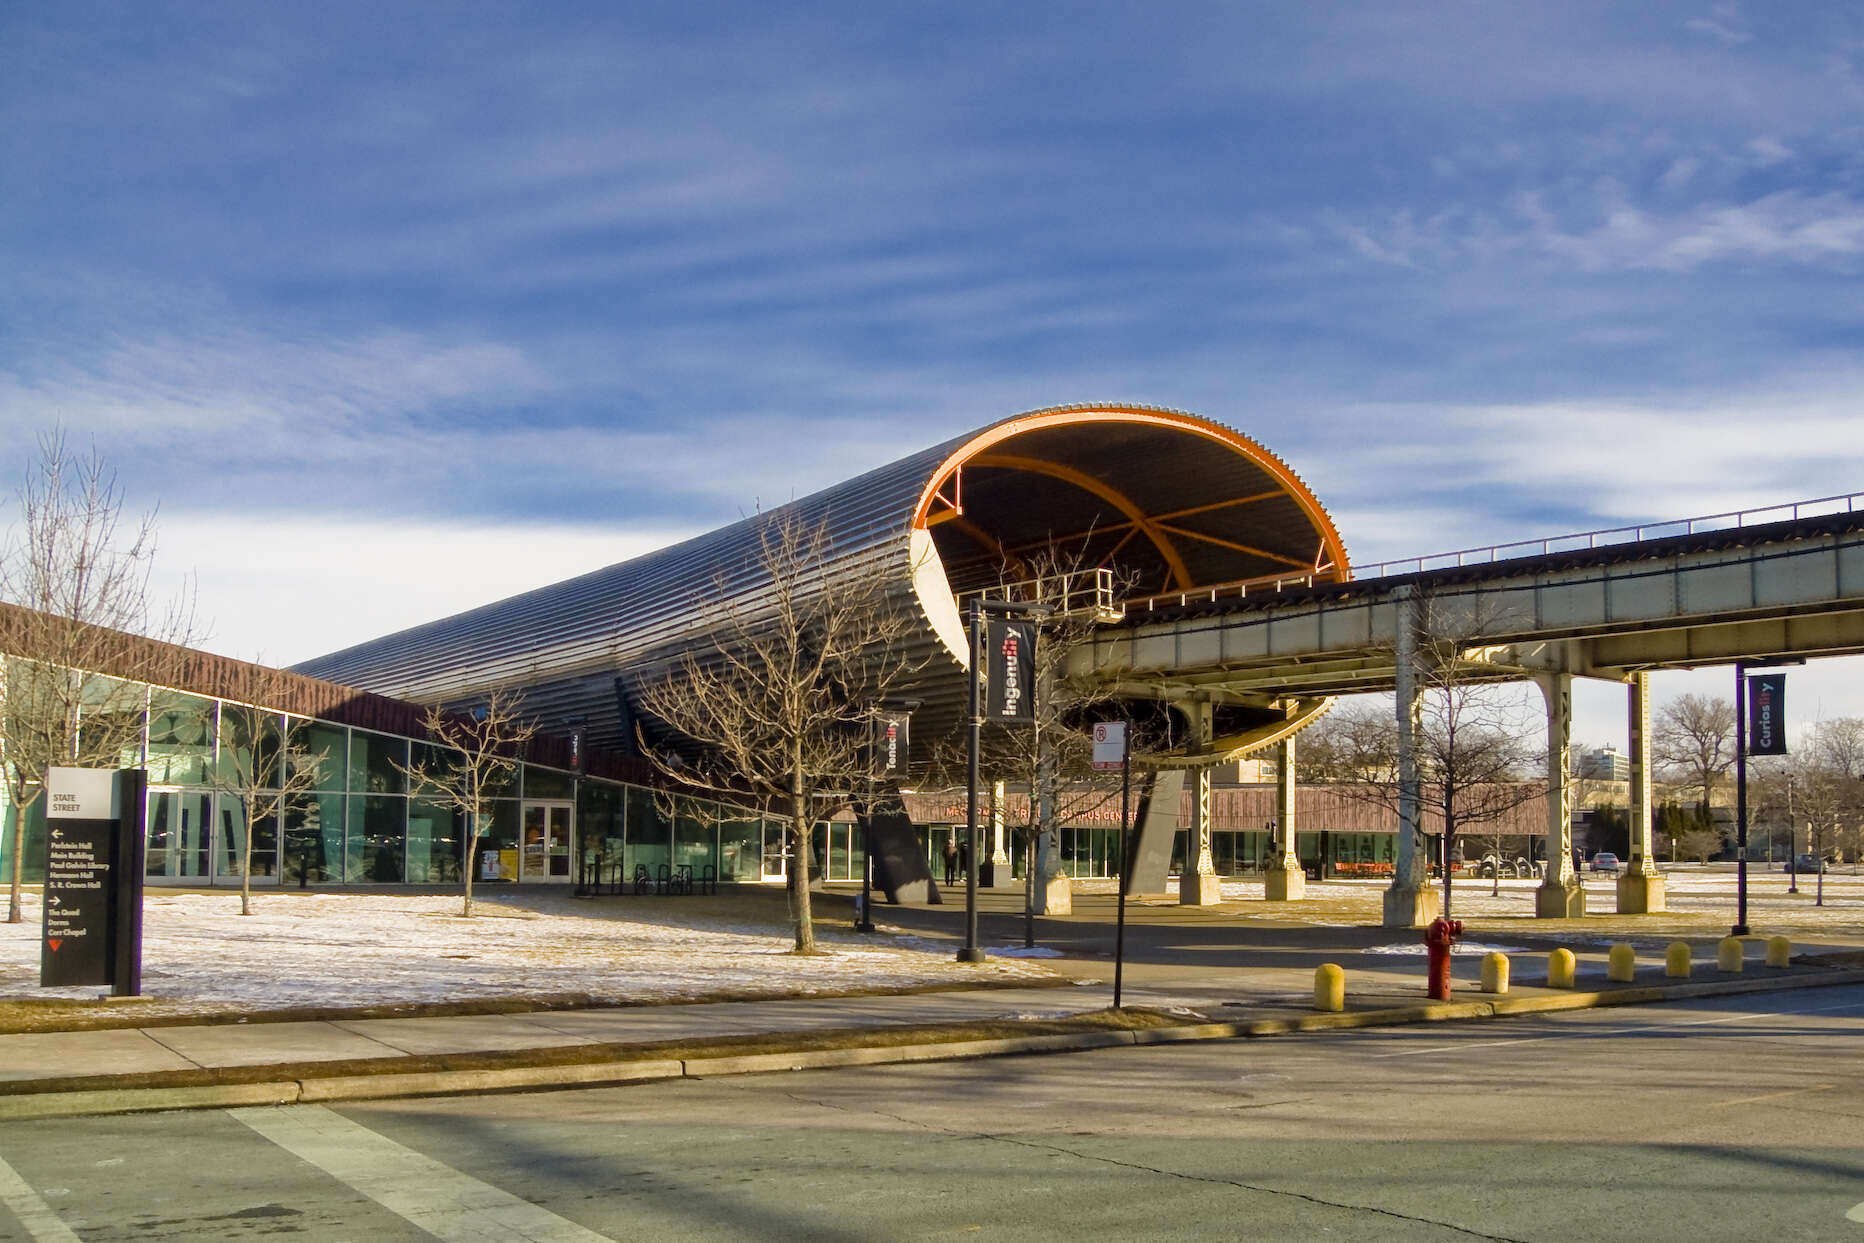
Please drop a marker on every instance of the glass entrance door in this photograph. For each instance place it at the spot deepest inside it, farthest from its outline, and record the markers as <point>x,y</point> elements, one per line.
<point>776,849</point>
<point>180,837</point>
<point>546,849</point>
<point>187,844</point>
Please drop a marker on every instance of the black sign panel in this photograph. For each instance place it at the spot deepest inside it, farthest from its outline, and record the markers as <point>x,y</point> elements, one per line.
<point>892,738</point>
<point>1010,669</point>
<point>1766,714</point>
<point>92,929</point>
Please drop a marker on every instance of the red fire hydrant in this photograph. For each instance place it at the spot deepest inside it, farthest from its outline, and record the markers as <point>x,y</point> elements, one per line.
<point>1439,939</point>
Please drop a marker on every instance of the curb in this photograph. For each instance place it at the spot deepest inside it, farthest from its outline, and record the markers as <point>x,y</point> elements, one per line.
<point>68,1104</point>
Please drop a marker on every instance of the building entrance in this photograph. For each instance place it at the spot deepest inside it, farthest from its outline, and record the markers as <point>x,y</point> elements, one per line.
<point>547,845</point>
<point>185,845</point>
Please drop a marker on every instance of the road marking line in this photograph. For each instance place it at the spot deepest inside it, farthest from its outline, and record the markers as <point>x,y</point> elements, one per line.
<point>1616,1031</point>
<point>1856,1213</point>
<point>437,1198</point>
<point>33,1213</point>
<point>1772,1096</point>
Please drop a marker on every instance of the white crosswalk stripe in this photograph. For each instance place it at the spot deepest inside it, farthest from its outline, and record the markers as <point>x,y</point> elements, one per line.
<point>33,1213</point>
<point>447,1204</point>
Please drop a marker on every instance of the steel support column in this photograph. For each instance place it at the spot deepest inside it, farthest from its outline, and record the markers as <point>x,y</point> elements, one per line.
<point>1410,902</point>
<point>1640,889</point>
<point>1285,880</point>
<point>1197,882</point>
<point>1560,895</point>
<point>1001,870</point>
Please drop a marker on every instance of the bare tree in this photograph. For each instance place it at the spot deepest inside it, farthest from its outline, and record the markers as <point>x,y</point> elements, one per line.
<point>1693,742</point>
<point>263,767</point>
<point>78,656</point>
<point>776,702</point>
<point>1831,772</point>
<point>474,761</point>
<point>1472,738</point>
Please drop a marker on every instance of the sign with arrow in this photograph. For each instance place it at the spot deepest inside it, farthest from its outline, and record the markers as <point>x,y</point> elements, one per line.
<point>92,930</point>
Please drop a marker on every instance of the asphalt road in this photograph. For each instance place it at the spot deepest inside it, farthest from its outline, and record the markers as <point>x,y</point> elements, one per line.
<point>1738,1119</point>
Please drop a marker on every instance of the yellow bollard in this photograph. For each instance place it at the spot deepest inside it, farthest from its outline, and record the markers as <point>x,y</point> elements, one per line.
<point>1495,972</point>
<point>1728,954</point>
<point>1676,960</point>
<point>1560,968</point>
<point>1329,988</point>
<point>1779,952</point>
<point>1621,964</point>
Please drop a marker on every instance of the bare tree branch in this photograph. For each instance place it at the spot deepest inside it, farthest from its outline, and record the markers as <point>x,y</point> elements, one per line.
<point>477,760</point>
<point>775,706</point>
<point>78,573</point>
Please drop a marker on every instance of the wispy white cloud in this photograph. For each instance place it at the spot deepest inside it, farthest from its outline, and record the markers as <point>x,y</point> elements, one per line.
<point>284,588</point>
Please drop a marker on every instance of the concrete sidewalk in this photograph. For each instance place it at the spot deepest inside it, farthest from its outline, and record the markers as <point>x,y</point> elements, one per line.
<point>1215,976</point>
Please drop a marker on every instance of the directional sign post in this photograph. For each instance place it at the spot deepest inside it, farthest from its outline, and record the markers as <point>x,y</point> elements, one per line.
<point>1111,751</point>
<point>92,931</point>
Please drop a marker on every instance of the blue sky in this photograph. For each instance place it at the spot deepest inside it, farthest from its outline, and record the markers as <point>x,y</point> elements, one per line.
<point>398,307</point>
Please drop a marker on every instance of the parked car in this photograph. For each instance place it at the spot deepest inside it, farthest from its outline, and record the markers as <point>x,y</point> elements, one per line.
<point>1806,863</point>
<point>1605,861</point>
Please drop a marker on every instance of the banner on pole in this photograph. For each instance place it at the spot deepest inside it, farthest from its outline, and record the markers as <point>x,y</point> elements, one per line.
<point>1766,723</point>
<point>1109,744</point>
<point>1010,667</point>
<point>892,738</point>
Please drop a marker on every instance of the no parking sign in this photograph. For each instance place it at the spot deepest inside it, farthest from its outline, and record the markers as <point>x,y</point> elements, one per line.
<point>1109,744</point>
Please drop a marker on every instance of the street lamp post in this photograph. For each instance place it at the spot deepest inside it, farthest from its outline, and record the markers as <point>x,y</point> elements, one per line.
<point>974,627</point>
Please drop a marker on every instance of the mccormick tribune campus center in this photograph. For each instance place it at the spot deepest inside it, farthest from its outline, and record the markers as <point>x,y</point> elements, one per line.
<point>1163,504</point>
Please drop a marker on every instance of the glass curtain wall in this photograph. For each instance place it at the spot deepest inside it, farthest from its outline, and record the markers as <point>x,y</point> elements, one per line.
<point>358,822</point>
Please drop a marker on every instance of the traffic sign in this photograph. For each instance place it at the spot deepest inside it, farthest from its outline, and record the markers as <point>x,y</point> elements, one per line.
<point>1109,744</point>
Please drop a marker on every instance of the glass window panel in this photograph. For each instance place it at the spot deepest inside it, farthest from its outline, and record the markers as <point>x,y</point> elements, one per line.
<point>697,840</point>
<point>372,763</point>
<point>650,836</point>
<point>248,746</point>
<point>840,861</point>
<point>498,843</point>
<point>33,860</point>
<point>377,839</point>
<point>327,744</point>
<point>110,722</point>
<point>818,850</point>
<point>233,826</point>
<point>599,823</point>
<point>181,739</point>
<point>547,783</point>
<point>740,847</point>
<point>314,837</point>
<point>434,843</point>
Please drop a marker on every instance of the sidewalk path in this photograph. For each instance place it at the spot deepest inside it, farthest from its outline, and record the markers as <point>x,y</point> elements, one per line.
<point>1208,967</point>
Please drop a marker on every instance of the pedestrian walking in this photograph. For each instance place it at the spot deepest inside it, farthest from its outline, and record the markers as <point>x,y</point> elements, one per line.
<point>951,858</point>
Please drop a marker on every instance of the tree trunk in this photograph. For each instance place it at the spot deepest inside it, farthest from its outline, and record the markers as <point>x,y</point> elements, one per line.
<point>472,858</point>
<point>799,867</point>
<point>245,861</point>
<point>16,862</point>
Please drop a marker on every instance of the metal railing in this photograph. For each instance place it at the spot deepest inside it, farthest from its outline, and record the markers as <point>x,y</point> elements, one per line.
<point>1070,593</point>
<point>1730,520</point>
<point>1734,519</point>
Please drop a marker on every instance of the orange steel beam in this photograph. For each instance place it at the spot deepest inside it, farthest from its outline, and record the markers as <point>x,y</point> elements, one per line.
<point>1204,509</point>
<point>1113,497</point>
<point>1144,416</point>
<point>1253,551</point>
